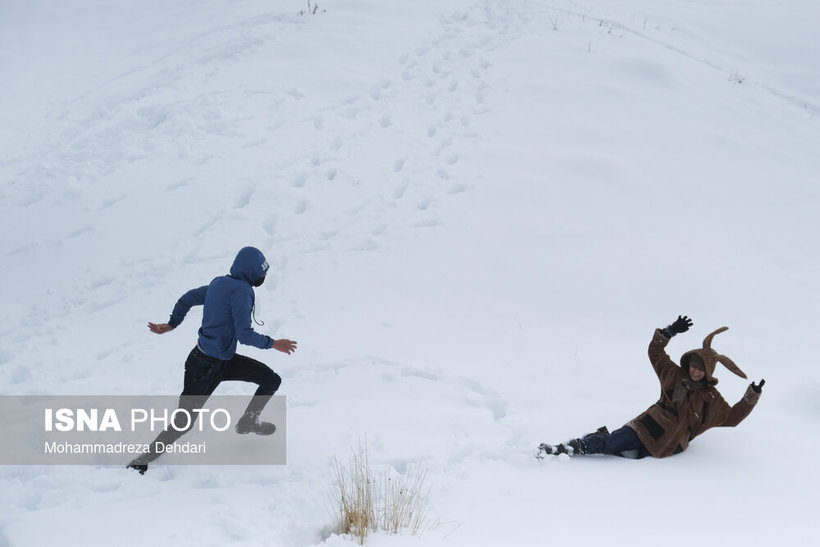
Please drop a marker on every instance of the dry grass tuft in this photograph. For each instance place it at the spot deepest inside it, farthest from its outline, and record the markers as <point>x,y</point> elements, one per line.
<point>392,501</point>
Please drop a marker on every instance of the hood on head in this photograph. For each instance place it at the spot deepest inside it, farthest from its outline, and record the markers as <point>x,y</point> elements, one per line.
<point>710,359</point>
<point>249,265</point>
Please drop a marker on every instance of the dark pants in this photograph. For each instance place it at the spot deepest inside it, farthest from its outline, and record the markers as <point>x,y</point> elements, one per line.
<point>203,374</point>
<point>621,442</point>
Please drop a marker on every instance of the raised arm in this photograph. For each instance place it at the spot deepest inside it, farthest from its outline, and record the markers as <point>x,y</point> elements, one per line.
<point>660,360</point>
<point>744,406</point>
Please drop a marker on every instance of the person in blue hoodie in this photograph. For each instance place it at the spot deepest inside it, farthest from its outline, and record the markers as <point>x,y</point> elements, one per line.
<point>226,320</point>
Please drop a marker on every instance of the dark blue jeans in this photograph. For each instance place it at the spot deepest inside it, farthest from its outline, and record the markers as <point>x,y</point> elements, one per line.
<point>622,442</point>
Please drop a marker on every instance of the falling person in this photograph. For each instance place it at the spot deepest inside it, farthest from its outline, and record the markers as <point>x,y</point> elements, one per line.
<point>689,404</point>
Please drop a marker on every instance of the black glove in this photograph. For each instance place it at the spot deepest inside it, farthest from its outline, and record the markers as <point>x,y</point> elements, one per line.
<point>757,388</point>
<point>681,324</point>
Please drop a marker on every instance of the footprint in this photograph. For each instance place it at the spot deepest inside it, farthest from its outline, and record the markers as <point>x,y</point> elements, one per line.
<point>299,181</point>
<point>356,209</point>
<point>378,92</point>
<point>80,231</point>
<point>179,184</point>
<point>398,165</point>
<point>424,203</point>
<point>398,193</point>
<point>244,198</point>
<point>207,225</point>
<point>255,143</point>
<point>432,221</point>
<point>100,282</point>
<point>269,225</point>
<point>301,206</point>
<point>110,202</point>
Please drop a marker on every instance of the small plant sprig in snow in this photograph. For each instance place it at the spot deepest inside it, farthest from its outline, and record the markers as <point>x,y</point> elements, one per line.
<point>393,501</point>
<point>312,8</point>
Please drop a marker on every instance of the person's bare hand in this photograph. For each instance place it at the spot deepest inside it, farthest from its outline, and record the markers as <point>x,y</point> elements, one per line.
<point>284,345</point>
<point>160,328</point>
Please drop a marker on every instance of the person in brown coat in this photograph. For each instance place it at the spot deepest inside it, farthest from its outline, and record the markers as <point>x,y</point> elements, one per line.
<point>689,404</point>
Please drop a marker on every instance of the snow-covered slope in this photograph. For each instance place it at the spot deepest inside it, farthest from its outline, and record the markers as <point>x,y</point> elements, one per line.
<point>476,213</point>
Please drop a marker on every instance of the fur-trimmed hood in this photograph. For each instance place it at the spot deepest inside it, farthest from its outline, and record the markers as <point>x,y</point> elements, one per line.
<point>710,359</point>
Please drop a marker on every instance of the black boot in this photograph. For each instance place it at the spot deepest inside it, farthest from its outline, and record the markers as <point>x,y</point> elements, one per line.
<point>164,439</point>
<point>250,423</point>
<point>555,449</point>
<point>140,463</point>
<point>573,447</point>
<point>141,468</point>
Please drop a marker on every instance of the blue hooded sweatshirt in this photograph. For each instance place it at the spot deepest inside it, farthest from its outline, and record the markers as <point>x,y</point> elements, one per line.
<point>228,301</point>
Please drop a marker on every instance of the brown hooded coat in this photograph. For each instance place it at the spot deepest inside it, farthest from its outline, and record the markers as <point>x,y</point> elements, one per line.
<point>686,409</point>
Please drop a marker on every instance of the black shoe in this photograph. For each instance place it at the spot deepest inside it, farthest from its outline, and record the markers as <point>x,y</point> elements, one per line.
<point>554,450</point>
<point>574,447</point>
<point>141,468</point>
<point>251,424</point>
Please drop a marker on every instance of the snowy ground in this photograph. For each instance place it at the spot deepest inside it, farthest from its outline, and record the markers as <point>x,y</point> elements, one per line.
<point>476,213</point>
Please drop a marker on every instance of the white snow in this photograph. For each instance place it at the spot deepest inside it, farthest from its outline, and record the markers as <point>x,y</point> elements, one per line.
<point>476,213</point>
